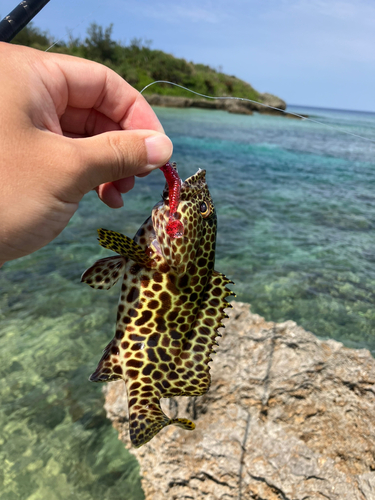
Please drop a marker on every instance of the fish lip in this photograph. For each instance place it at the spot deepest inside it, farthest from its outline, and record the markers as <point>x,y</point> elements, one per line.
<point>155,245</point>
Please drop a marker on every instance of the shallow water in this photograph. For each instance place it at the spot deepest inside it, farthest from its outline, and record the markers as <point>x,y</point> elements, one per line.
<point>296,208</point>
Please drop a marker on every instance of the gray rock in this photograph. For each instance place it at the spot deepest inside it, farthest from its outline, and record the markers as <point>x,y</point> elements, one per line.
<point>271,100</point>
<point>288,417</point>
<point>230,105</point>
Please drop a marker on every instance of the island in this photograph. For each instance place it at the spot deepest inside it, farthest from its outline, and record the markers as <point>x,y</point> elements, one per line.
<point>230,105</point>
<point>141,65</point>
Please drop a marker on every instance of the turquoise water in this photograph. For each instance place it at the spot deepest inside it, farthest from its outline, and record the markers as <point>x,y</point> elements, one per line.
<point>296,208</point>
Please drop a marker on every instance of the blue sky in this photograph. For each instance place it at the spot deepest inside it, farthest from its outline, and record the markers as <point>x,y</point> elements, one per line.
<point>308,52</point>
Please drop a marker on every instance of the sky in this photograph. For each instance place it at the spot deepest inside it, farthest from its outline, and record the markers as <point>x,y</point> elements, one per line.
<point>317,53</point>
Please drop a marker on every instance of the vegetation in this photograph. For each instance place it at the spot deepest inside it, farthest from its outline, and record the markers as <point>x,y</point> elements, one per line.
<point>140,65</point>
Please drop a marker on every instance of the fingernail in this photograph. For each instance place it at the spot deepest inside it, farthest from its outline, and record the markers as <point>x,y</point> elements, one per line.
<point>159,150</point>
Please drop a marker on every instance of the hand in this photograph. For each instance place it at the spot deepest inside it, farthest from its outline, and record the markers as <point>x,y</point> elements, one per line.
<point>67,126</point>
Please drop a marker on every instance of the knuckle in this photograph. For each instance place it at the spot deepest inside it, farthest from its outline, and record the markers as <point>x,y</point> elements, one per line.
<point>129,154</point>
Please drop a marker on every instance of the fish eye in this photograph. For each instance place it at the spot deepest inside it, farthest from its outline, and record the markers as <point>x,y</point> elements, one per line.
<point>205,210</point>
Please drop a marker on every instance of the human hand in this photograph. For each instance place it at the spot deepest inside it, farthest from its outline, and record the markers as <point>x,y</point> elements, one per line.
<point>68,126</point>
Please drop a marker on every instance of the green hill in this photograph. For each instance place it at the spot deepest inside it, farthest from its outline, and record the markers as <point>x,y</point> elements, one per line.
<point>140,65</point>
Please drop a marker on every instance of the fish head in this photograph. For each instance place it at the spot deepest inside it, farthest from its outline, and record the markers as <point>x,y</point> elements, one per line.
<point>196,212</point>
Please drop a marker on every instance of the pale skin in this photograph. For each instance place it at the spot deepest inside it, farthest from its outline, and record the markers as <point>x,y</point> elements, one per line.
<point>67,126</point>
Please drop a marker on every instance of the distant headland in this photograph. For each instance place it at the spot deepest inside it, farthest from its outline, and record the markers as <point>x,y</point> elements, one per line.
<point>230,105</point>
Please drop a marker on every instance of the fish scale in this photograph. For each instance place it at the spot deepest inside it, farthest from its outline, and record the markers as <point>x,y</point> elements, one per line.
<point>171,304</point>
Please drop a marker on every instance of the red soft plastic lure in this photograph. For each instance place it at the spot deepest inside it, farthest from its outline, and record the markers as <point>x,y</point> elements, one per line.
<point>175,228</point>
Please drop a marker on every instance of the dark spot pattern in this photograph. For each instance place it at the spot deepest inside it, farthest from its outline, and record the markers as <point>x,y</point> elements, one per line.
<point>170,309</point>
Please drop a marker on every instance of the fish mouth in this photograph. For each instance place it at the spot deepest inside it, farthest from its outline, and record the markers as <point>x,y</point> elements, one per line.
<point>155,246</point>
<point>166,245</point>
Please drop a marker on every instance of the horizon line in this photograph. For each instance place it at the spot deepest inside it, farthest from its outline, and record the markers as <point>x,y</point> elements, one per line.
<point>329,109</point>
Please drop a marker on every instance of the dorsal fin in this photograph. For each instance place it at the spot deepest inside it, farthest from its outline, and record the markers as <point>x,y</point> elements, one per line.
<point>197,344</point>
<point>123,245</point>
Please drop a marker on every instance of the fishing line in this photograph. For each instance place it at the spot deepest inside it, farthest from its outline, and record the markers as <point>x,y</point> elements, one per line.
<point>261,104</point>
<point>70,31</point>
<point>27,9</point>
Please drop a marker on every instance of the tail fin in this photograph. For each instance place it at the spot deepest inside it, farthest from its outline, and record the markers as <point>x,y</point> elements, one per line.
<point>147,421</point>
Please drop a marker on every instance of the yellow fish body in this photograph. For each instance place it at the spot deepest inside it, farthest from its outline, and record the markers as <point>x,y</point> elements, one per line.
<point>172,303</point>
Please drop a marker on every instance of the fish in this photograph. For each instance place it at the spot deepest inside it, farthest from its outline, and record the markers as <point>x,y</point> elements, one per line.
<point>171,305</point>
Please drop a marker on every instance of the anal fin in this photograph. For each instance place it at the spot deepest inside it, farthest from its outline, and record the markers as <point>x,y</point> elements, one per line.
<point>108,369</point>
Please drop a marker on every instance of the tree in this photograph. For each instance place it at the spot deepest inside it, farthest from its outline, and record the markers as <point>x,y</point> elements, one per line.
<point>99,44</point>
<point>33,37</point>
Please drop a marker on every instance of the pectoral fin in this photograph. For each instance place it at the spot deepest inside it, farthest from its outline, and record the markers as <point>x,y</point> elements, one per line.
<point>123,245</point>
<point>104,273</point>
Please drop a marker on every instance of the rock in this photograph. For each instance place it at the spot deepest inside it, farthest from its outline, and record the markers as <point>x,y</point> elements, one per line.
<point>287,417</point>
<point>168,101</point>
<point>271,100</point>
<point>231,105</point>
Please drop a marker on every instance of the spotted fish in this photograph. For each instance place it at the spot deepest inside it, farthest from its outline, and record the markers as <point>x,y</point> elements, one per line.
<point>172,303</point>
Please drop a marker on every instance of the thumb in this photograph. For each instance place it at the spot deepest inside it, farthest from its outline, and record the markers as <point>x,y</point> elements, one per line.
<point>116,155</point>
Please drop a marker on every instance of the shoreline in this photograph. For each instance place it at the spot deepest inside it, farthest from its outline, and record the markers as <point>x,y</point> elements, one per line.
<point>229,105</point>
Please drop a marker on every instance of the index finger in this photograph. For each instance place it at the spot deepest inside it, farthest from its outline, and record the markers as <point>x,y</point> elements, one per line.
<point>86,84</point>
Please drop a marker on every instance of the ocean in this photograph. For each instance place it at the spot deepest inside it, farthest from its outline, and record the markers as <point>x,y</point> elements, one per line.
<point>296,217</point>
